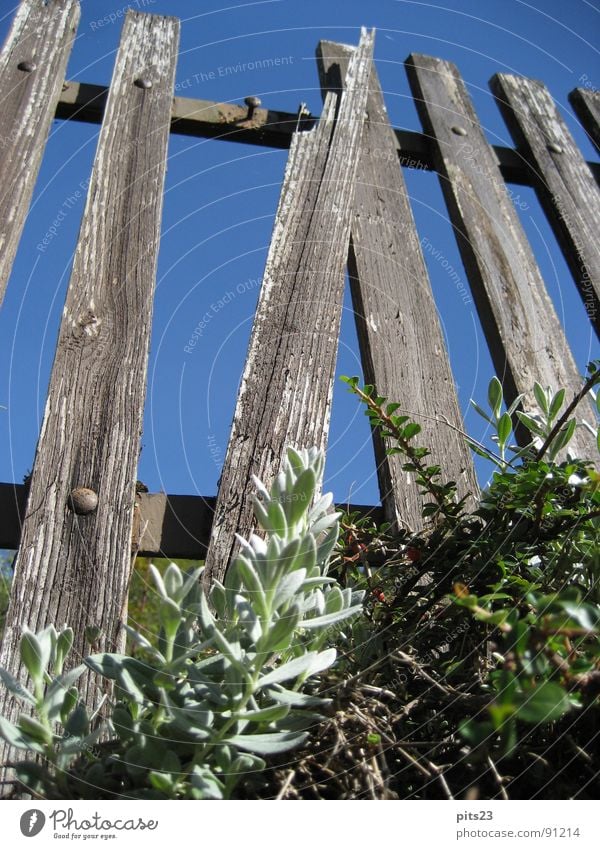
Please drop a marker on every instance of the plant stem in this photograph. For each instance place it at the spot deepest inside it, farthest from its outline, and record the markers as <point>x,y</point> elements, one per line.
<point>589,384</point>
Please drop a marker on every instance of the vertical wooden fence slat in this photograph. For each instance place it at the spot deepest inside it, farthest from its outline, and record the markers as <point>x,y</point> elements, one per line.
<point>32,71</point>
<point>285,394</point>
<point>75,568</point>
<point>526,339</point>
<point>565,185</point>
<point>400,338</point>
<point>586,104</point>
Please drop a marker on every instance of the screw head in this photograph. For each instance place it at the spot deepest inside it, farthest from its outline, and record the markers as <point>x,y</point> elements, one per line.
<point>143,82</point>
<point>252,102</point>
<point>83,501</point>
<point>459,131</point>
<point>28,67</point>
<point>555,148</point>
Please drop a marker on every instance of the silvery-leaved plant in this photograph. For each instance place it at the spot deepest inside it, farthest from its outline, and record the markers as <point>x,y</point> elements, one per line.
<point>231,679</point>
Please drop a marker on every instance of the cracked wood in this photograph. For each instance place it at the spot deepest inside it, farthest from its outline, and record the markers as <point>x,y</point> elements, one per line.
<point>32,70</point>
<point>401,342</point>
<point>75,568</point>
<point>525,337</point>
<point>286,389</point>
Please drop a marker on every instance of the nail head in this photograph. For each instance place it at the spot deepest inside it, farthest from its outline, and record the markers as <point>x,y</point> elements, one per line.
<point>83,500</point>
<point>252,102</point>
<point>459,131</point>
<point>143,82</point>
<point>27,66</point>
<point>555,148</point>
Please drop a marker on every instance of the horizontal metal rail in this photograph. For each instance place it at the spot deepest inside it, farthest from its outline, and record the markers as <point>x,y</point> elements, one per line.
<point>269,128</point>
<point>173,526</point>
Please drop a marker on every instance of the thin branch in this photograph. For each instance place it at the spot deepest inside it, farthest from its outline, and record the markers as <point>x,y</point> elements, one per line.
<point>498,778</point>
<point>589,384</point>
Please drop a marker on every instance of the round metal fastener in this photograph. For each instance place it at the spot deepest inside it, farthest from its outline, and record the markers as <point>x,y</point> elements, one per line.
<point>555,148</point>
<point>27,66</point>
<point>459,131</point>
<point>83,500</point>
<point>143,82</point>
<point>252,102</point>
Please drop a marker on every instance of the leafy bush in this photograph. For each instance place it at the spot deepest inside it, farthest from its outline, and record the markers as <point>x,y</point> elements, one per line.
<point>473,672</point>
<point>223,686</point>
<point>485,622</point>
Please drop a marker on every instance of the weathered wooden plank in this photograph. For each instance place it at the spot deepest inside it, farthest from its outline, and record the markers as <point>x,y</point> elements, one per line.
<point>172,526</point>
<point>286,389</point>
<point>401,342</point>
<point>526,339</point>
<point>32,70</point>
<point>586,103</point>
<point>268,128</point>
<point>564,184</point>
<point>73,567</point>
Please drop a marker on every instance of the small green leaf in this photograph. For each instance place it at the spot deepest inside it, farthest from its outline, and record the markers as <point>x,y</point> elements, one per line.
<point>64,644</point>
<point>15,687</point>
<point>173,581</point>
<point>170,616</point>
<point>562,438</point>
<point>268,714</point>
<point>31,655</point>
<point>268,744</point>
<point>556,404</point>
<point>541,396</point>
<point>15,737</point>
<point>504,429</point>
<point>78,722</point>
<point>495,396</point>
<point>277,520</point>
<point>481,412</point>
<point>411,429</point>
<point>301,496</point>
<point>35,729</point>
<point>544,703</point>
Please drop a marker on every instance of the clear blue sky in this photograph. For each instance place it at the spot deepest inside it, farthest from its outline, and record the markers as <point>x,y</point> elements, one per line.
<point>221,199</point>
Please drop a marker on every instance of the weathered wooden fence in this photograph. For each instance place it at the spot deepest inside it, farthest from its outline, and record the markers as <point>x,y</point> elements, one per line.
<point>343,199</point>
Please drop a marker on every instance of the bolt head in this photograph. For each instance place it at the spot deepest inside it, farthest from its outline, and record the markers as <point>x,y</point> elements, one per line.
<point>555,148</point>
<point>252,102</point>
<point>83,501</point>
<point>143,82</point>
<point>459,131</point>
<point>28,67</point>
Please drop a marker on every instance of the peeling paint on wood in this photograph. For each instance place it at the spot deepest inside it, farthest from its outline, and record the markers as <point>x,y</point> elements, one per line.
<point>401,343</point>
<point>75,568</point>
<point>40,40</point>
<point>564,184</point>
<point>526,339</point>
<point>286,389</point>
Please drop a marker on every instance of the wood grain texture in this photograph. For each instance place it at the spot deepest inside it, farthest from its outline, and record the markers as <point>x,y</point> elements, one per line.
<point>287,384</point>
<point>75,568</point>
<point>526,339</point>
<point>564,184</point>
<point>41,35</point>
<point>401,342</point>
<point>586,103</point>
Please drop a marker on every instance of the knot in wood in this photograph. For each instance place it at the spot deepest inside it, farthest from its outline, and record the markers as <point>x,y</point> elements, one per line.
<point>87,323</point>
<point>83,500</point>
